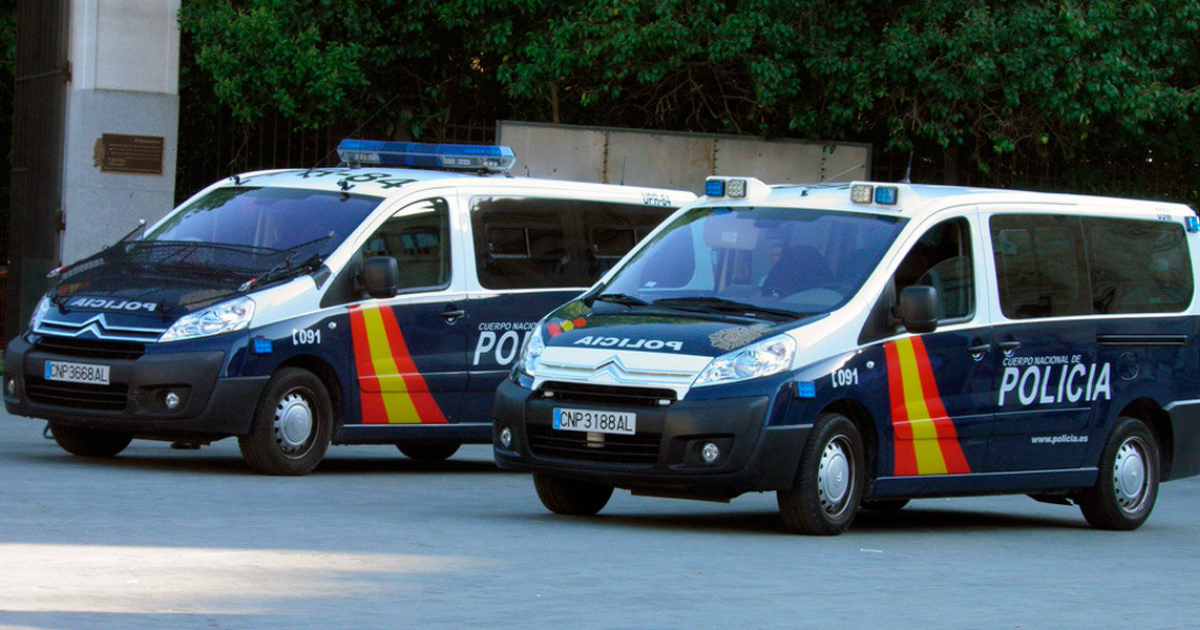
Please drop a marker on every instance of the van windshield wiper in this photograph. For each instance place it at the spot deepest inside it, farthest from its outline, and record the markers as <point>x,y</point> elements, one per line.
<point>622,298</point>
<point>722,305</point>
<point>288,265</point>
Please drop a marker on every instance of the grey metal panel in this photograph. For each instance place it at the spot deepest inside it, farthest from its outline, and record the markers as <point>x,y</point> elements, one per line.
<point>673,159</point>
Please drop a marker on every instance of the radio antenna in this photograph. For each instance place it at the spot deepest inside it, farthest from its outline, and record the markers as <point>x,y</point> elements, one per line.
<point>355,132</point>
<point>908,172</point>
<point>856,166</point>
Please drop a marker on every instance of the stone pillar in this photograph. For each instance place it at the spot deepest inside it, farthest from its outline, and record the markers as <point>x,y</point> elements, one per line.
<point>122,120</point>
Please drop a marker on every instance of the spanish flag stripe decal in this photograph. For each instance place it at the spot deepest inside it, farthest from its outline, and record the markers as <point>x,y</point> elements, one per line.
<point>391,389</point>
<point>373,411</point>
<point>947,437</point>
<point>905,455</point>
<point>419,396</point>
<point>925,440</point>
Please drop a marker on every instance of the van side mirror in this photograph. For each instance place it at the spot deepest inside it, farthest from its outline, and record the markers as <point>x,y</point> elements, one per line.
<point>381,276</point>
<point>918,309</point>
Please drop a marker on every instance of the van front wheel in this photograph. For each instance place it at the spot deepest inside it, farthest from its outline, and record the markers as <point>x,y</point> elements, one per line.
<point>829,482</point>
<point>570,497</point>
<point>292,425</point>
<point>89,442</point>
<point>1127,486</point>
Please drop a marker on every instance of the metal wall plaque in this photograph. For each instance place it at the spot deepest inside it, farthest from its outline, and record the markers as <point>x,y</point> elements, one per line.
<point>138,155</point>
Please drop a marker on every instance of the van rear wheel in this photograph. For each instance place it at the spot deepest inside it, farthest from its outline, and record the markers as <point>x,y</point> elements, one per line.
<point>292,425</point>
<point>86,442</point>
<point>570,497</point>
<point>438,452</point>
<point>1127,486</point>
<point>829,481</point>
<point>885,505</point>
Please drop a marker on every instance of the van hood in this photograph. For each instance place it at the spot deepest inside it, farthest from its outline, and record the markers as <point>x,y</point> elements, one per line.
<point>655,329</point>
<point>159,298</point>
<point>167,279</point>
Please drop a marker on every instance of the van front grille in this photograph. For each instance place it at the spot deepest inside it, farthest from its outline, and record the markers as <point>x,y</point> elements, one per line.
<point>77,395</point>
<point>607,394</point>
<point>91,348</point>
<point>641,448</point>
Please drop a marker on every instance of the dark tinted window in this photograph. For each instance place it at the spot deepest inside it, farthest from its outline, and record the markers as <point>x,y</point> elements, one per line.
<point>1053,266</point>
<point>1041,266</point>
<point>529,243</point>
<point>1138,266</point>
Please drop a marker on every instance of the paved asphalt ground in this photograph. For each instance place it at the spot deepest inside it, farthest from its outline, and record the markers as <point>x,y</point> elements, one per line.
<point>166,539</point>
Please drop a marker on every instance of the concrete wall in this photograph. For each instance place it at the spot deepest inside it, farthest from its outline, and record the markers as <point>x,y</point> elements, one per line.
<point>125,81</point>
<point>675,160</point>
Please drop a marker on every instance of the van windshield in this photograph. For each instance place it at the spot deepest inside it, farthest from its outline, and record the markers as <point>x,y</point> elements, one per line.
<point>779,262</point>
<point>268,218</point>
<point>226,242</point>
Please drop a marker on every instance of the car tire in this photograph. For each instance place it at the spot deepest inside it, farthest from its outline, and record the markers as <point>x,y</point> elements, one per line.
<point>86,442</point>
<point>429,453</point>
<point>884,505</point>
<point>571,497</point>
<point>292,425</point>
<point>829,482</point>
<point>1127,485</point>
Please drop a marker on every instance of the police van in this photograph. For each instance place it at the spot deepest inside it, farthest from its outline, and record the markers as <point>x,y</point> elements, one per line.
<point>292,308</point>
<point>860,345</point>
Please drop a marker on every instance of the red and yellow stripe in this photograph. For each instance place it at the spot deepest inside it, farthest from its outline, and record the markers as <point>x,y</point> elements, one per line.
<point>391,388</point>
<point>924,437</point>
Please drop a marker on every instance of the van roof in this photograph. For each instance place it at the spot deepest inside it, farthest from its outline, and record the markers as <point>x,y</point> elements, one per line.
<point>913,200</point>
<point>388,181</point>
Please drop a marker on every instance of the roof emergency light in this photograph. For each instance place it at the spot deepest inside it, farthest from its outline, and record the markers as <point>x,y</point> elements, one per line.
<point>735,187</point>
<point>463,157</point>
<point>881,195</point>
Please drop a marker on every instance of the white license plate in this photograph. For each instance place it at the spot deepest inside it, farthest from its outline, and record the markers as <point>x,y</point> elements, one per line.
<point>595,421</point>
<point>77,372</point>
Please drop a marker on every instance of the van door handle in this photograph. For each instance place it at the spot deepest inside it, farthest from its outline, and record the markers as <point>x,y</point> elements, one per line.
<point>452,316</point>
<point>1009,346</point>
<point>979,348</point>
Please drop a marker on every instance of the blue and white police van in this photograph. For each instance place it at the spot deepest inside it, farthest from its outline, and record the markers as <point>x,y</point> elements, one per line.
<point>860,345</point>
<point>292,308</point>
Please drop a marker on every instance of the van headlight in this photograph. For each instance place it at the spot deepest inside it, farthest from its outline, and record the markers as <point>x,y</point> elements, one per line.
<point>222,318</point>
<point>531,351</point>
<point>764,358</point>
<point>39,313</point>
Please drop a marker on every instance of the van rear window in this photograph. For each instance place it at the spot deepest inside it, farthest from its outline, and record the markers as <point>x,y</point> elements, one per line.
<point>1055,266</point>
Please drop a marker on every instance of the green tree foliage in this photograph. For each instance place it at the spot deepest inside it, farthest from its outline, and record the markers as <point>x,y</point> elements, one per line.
<point>982,81</point>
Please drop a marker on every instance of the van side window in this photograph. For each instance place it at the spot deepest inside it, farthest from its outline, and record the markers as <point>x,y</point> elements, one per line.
<point>522,243</point>
<point>1138,266</point>
<point>418,238</point>
<point>1041,266</point>
<point>612,229</point>
<point>1059,266</point>
<point>532,243</point>
<point>942,259</point>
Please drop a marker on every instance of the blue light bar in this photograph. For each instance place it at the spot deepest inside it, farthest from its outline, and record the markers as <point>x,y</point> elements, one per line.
<point>463,157</point>
<point>886,195</point>
<point>714,187</point>
<point>1193,224</point>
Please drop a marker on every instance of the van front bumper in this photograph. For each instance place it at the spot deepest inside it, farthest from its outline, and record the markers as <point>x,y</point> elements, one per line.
<point>666,454</point>
<point>136,400</point>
